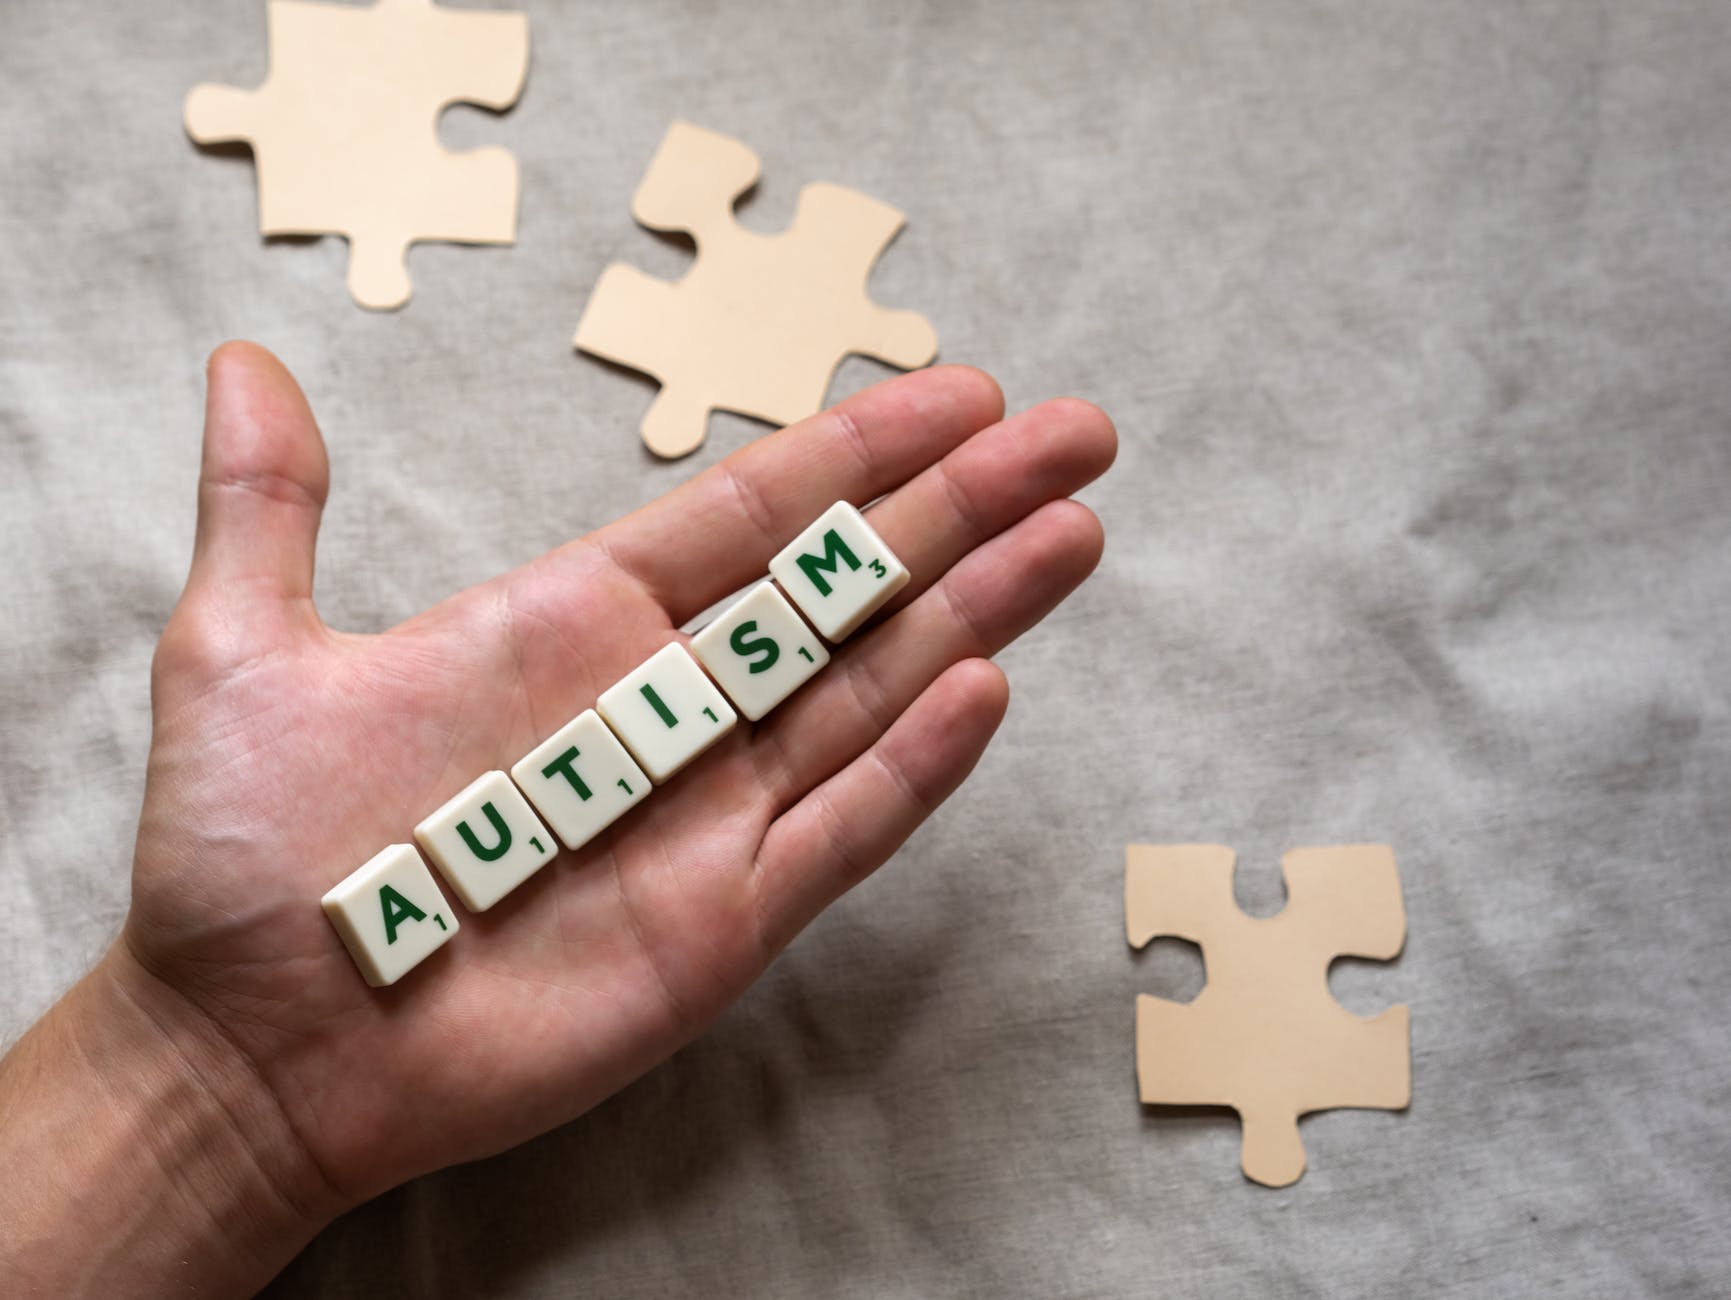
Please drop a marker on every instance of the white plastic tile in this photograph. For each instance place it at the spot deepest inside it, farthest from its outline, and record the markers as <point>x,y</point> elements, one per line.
<point>390,914</point>
<point>838,571</point>
<point>486,841</point>
<point>666,711</point>
<point>759,652</point>
<point>580,779</point>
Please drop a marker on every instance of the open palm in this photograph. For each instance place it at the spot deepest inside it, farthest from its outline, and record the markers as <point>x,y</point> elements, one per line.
<point>285,754</point>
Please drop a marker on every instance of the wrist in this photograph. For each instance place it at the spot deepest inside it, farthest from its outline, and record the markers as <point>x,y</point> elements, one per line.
<point>143,1151</point>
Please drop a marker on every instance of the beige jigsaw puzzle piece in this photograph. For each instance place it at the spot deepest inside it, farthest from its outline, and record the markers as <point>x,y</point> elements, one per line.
<point>760,322</point>
<point>344,130</point>
<point>1265,1036</point>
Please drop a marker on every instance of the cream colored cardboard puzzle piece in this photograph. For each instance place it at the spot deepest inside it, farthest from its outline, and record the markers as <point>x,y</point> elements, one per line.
<point>344,130</point>
<point>760,322</point>
<point>1265,1036</point>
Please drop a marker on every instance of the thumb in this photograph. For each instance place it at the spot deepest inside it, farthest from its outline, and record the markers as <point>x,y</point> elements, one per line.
<point>262,484</point>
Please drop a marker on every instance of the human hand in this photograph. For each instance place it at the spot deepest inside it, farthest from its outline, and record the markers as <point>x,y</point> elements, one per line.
<point>284,754</point>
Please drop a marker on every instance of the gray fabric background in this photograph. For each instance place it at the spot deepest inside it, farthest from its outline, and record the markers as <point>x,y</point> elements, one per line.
<point>1413,316</point>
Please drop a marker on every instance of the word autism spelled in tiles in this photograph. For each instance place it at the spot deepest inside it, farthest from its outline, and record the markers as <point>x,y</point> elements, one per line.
<point>504,826</point>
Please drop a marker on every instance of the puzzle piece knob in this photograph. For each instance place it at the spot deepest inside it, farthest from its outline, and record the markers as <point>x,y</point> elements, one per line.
<point>1271,1153</point>
<point>379,273</point>
<point>675,423</point>
<point>693,180</point>
<point>219,114</point>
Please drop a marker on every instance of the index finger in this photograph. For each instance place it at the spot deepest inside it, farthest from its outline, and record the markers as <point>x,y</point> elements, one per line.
<point>710,537</point>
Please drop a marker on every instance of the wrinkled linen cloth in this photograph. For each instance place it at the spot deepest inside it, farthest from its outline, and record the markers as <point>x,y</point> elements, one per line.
<point>1414,319</point>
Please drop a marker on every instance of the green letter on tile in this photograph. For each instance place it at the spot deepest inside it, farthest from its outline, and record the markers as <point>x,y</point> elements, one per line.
<point>661,710</point>
<point>499,828</point>
<point>561,766</point>
<point>833,549</point>
<point>745,645</point>
<point>397,909</point>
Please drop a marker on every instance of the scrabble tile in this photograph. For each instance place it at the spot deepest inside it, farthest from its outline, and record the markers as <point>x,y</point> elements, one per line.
<point>390,914</point>
<point>759,652</point>
<point>666,711</point>
<point>838,571</point>
<point>580,779</point>
<point>486,841</point>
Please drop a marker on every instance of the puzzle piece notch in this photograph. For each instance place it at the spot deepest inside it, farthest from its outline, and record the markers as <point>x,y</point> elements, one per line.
<point>344,130</point>
<point>759,323</point>
<point>1265,1036</point>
